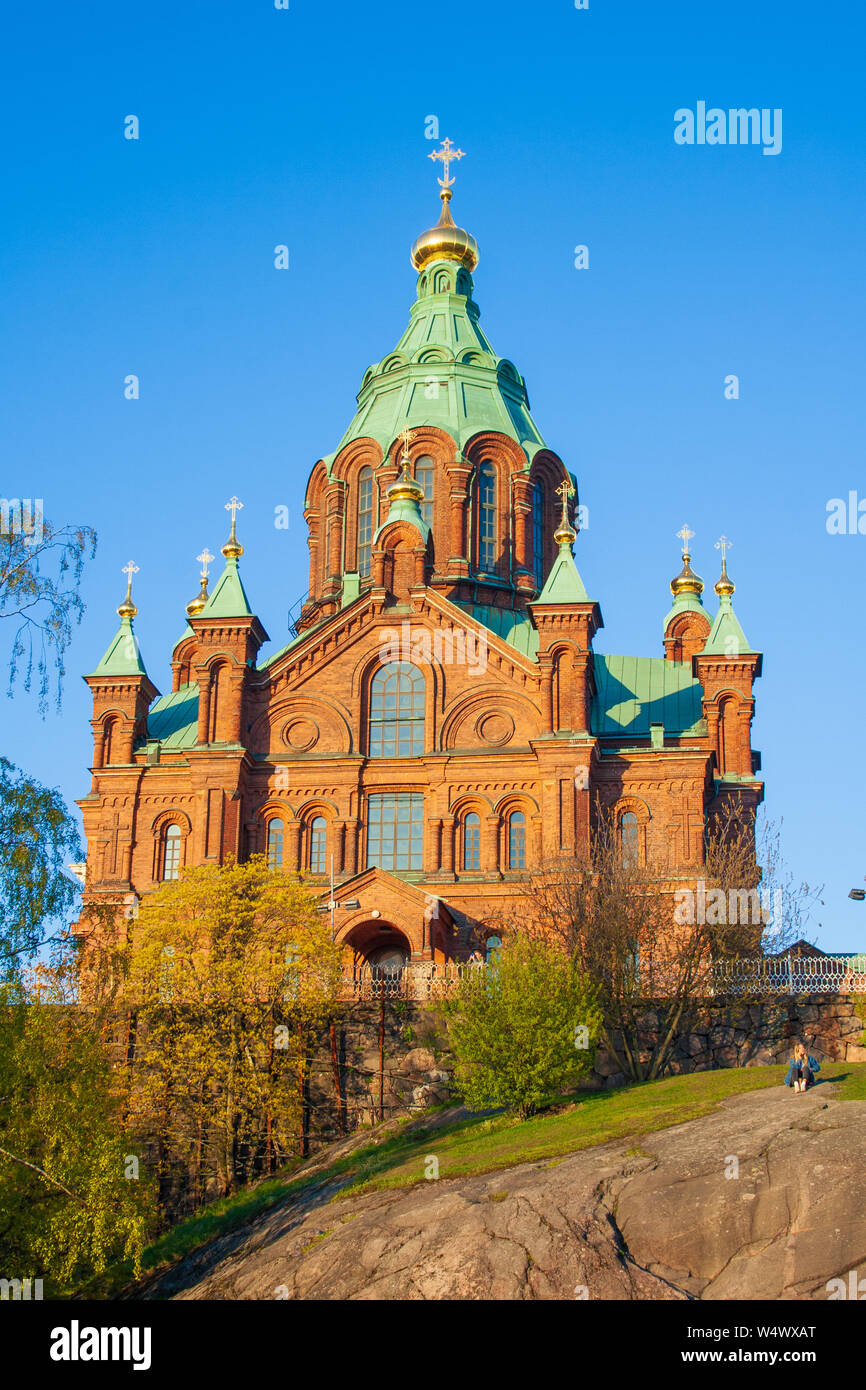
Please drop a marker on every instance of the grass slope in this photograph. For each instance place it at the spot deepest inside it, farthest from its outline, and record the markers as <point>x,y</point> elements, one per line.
<point>481,1145</point>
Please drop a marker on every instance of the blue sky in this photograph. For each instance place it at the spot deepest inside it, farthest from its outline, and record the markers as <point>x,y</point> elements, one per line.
<point>306,127</point>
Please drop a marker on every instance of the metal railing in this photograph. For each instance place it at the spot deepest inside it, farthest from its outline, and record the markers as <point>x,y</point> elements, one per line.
<point>791,974</point>
<point>416,981</point>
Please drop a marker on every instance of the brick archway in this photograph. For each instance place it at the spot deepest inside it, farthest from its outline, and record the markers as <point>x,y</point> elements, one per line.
<point>377,941</point>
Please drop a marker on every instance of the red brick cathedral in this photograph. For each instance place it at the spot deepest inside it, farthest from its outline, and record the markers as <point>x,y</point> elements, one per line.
<point>439,722</point>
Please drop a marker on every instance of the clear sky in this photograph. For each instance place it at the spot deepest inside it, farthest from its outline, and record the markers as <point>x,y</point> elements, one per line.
<point>306,126</point>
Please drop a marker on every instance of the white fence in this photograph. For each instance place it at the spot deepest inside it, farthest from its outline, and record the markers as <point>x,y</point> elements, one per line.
<point>791,974</point>
<point>423,980</point>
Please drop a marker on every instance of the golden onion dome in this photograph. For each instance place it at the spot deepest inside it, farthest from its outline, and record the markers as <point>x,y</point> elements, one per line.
<point>687,582</point>
<point>405,488</point>
<point>127,609</point>
<point>445,242</point>
<point>724,585</point>
<point>197,604</point>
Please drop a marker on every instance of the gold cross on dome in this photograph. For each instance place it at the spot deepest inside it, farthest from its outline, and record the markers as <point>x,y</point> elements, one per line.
<point>204,560</point>
<point>129,570</point>
<point>448,155</point>
<point>724,545</point>
<point>407,437</point>
<point>685,536</point>
<point>234,506</point>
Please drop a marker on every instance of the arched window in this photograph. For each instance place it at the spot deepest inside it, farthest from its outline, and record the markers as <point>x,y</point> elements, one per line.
<point>517,840</point>
<point>492,947</point>
<point>275,843</point>
<point>318,832</point>
<point>365,520</point>
<point>472,841</point>
<point>628,839</point>
<point>218,679</point>
<point>538,534</point>
<point>424,476</point>
<point>110,745</point>
<point>397,711</point>
<point>171,844</point>
<point>487,517</point>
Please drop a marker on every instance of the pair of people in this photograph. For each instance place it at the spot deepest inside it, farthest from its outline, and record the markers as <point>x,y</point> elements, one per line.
<point>802,1069</point>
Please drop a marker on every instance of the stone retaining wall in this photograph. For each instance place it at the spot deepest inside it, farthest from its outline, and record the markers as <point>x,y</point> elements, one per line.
<point>417,1065</point>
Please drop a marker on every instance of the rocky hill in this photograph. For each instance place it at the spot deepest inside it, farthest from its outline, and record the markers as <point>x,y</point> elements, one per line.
<point>760,1200</point>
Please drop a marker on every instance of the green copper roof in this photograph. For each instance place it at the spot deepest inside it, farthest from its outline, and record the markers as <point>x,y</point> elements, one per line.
<point>123,657</point>
<point>685,603</point>
<point>404,509</point>
<point>513,627</point>
<point>229,598</point>
<point>174,719</point>
<point>726,636</point>
<point>444,372</point>
<point>564,584</point>
<point>633,692</point>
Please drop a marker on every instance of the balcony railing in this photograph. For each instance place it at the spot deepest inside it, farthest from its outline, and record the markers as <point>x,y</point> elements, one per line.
<point>417,981</point>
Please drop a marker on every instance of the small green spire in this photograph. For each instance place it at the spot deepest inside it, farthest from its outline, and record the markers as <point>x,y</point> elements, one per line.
<point>123,657</point>
<point>564,584</point>
<point>229,598</point>
<point>726,635</point>
<point>405,494</point>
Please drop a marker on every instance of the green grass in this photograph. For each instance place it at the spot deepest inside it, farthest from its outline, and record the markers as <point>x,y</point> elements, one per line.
<point>485,1144</point>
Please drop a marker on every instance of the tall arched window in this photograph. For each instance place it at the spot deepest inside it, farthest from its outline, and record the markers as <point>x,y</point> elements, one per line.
<point>424,476</point>
<point>487,517</point>
<point>109,746</point>
<point>517,840</point>
<point>628,839</point>
<point>218,680</point>
<point>472,841</point>
<point>171,845</point>
<point>397,711</point>
<point>275,843</point>
<point>365,520</point>
<point>538,534</point>
<point>318,833</point>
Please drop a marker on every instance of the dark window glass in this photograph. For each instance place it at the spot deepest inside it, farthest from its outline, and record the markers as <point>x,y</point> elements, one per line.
<point>487,517</point>
<point>538,534</point>
<point>365,520</point>
<point>397,711</point>
<point>395,831</point>
<point>318,831</point>
<point>424,475</point>
<point>628,838</point>
<point>517,841</point>
<point>171,852</point>
<point>275,843</point>
<point>472,841</point>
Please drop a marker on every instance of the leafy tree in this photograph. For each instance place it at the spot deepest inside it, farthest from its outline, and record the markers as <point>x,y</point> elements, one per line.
<point>651,964</point>
<point>523,1028</point>
<point>72,1199</point>
<point>231,970</point>
<point>38,839</point>
<point>40,577</point>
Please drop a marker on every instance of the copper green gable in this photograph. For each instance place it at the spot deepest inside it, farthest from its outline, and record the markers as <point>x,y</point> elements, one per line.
<point>229,598</point>
<point>444,372</point>
<point>123,657</point>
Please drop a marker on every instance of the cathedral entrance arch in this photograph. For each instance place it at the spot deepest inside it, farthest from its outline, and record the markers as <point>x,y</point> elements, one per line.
<point>380,943</point>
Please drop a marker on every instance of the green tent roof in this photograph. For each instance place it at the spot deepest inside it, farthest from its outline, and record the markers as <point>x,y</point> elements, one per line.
<point>123,657</point>
<point>564,584</point>
<point>229,598</point>
<point>726,636</point>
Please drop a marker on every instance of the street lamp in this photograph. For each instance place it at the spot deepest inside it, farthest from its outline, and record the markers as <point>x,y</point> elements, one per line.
<point>858,894</point>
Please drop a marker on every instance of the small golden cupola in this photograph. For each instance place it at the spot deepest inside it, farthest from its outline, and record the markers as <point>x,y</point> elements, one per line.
<point>686,582</point>
<point>446,241</point>
<point>195,605</point>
